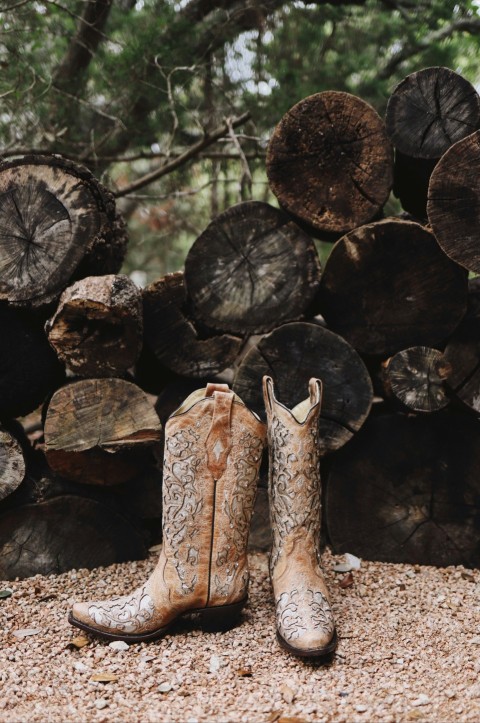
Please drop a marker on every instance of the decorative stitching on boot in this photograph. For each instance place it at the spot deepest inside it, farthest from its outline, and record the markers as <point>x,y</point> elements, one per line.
<point>127,614</point>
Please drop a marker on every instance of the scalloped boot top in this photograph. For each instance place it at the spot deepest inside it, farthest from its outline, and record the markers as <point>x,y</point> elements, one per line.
<point>305,624</point>
<point>213,450</point>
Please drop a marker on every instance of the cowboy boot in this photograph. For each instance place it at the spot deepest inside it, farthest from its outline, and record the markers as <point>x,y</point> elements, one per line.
<point>213,450</point>
<point>305,624</point>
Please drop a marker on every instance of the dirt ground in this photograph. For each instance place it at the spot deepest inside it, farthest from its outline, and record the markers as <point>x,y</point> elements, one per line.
<point>409,650</point>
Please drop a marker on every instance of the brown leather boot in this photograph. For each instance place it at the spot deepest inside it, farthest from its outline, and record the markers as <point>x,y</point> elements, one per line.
<point>305,624</point>
<point>213,449</point>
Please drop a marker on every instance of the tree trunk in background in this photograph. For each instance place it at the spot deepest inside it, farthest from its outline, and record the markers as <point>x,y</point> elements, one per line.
<point>329,161</point>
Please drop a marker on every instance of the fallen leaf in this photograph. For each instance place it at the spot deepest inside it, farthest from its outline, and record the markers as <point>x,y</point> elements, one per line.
<point>274,716</point>
<point>346,581</point>
<point>118,645</point>
<point>288,694</point>
<point>104,678</point>
<point>45,598</point>
<point>5,593</point>
<point>290,719</point>
<point>79,642</point>
<point>245,672</point>
<point>155,548</point>
<point>468,576</point>
<point>26,632</point>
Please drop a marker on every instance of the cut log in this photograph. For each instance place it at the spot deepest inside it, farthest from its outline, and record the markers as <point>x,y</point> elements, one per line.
<point>387,286</point>
<point>430,110</point>
<point>329,161</point>
<point>12,464</point>
<point>97,327</point>
<point>100,431</point>
<point>454,202</point>
<point>173,337</point>
<point>406,489</point>
<point>57,222</point>
<point>251,269</point>
<point>294,353</point>
<point>416,377</point>
<point>29,367</point>
<point>410,185</point>
<point>64,533</point>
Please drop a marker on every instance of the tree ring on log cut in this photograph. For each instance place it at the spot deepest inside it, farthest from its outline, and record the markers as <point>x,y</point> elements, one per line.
<point>430,110</point>
<point>12,464</point>
<point>416,378</point>
<point>330,162</point>
<point>64,533</point>
<point>406,489</point>
<point>251,269</point>
<point>453,205</point>
<point>387,286</point>
<point>97,431</point>
<point>294,353</point>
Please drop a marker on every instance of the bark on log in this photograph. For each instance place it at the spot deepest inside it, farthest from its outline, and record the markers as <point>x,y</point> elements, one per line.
<point>294,353</point>
<point>406,489</point>
<point>430,110</point>
<point>64,533</point>
<point>329,161</point>
<point>416,379</point>
<point>12,464</point>
<point>57,223</point>
<point>410,184</point>
<point>454,202</point>
<point>387,286</point>
<point>100,431</point>
<point>251,269</point>
<point>29,367</point>
<point>172,336</point>
<point>97,327</point>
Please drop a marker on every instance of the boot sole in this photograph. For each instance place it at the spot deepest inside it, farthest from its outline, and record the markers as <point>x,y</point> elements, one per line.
<point>219,618</point>
<point>327,650</point>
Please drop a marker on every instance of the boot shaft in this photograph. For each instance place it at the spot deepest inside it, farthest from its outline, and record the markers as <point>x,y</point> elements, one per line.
<point>213,451</point>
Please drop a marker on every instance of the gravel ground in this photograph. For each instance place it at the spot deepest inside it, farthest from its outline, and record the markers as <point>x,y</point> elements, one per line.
<point>409,650</point>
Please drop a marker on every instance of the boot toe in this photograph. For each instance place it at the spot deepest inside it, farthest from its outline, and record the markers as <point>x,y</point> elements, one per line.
<point>305,622</point>
<point>79,613</point>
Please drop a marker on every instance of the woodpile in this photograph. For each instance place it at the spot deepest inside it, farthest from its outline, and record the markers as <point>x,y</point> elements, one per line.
<point>391,325</point>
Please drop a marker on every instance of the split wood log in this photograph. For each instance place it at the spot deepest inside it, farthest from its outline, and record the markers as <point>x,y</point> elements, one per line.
<point>173,337</point>
<point>388,285</point>
<point>454,202</point>
<point>64,533</point>
<point>251,269</point>
<point>294,353</point>
<point>97,327</point>
<point>329,161</point>
<point>430,110</point>
<point>410,184</point>
<point>406,489</point>
<point>30,370</point>
<point>57,223</point>
<point>12,464</point>
<point>416,377</point>
<point>100,431</point>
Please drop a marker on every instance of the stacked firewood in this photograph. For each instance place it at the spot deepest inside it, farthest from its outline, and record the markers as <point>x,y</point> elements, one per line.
<point>391,325</point>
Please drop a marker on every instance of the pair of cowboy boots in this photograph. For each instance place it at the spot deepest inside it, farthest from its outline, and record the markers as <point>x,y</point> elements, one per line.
<point>213,450</point>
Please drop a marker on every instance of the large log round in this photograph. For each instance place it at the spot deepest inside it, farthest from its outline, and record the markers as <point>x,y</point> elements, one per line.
<point>388,285</point>
<point>12,464</point>
<point>64,533</point>
<point>97,327</point>
<point>329,161</point>
<point>29,367</point>
<point>294,353</point>
<point>100,431</point>
<point>416,379</point>
<point>56,221</point>
<point>251,269</point>
<point>407,489</point>
<point>172,336</point>
<point>431,109</point>
<point>454,202</point>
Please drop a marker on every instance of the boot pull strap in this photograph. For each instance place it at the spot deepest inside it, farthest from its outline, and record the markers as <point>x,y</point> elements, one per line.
<point>212,387</point>
<point>268,392</point>
<point>219,439</point>
<point>315,387</point>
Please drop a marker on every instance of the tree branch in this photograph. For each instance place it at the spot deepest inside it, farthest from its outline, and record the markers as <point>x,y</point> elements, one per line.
<point>207,140</point>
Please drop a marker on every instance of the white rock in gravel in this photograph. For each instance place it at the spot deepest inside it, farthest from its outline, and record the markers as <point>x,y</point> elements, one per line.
<point>81,667</point>
<point>165,687</point>
<point>216,662</point>
<point>101,703</point>
<point>360,708</point>
<point>118,645</point>
<point>421,700</point>
<point>351,563</point>
<point>26,632</point>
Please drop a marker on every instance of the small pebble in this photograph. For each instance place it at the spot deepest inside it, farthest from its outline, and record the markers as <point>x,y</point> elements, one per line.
<point>118,645</point>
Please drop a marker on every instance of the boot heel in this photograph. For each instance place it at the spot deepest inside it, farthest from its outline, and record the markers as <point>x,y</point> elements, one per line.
<point>221,617</point>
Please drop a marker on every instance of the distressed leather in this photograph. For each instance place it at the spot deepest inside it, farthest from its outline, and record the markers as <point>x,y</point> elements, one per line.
<point>303,612</point>
<point>213,450</point>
